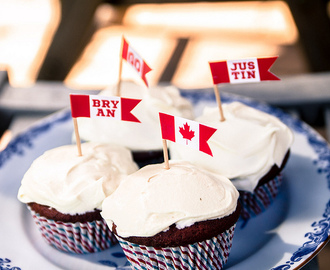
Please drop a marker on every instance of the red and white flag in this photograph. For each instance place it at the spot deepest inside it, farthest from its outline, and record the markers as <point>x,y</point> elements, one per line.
<point>243,71</point>
<point>95,106</point>
<point>135,60</point>
<point>187,132</point>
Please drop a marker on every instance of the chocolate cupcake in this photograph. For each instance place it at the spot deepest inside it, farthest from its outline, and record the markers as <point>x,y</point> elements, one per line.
<point>250,147</point>
<point>180,218</point>
<point>143,139</point>
<point>64,193</point>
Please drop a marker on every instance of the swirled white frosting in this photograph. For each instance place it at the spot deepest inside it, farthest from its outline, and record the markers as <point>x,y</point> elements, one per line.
<point>153,198</point>
<point>245,146</point>
<point>137,136</point>
<point>76,184</point>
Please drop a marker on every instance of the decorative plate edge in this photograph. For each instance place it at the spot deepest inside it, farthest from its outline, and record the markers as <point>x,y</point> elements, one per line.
<point>25,140</point>
<point>5,265</point>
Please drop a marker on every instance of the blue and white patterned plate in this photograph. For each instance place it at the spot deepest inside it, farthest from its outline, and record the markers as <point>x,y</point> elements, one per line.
<point>286,236</point>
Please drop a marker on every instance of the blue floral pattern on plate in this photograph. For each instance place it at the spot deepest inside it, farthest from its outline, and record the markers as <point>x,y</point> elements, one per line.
<point>25,140</point>
<point>5,265</point>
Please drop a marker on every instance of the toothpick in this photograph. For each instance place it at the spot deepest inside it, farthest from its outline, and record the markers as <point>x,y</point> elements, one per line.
<point>166,163</point>
<point>218,99</point>
<point>120,68</point>
<point>76,132</point>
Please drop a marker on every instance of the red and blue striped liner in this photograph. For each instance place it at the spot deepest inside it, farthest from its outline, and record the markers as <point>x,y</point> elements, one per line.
<point>209,254</point>
<point>253,204</point>
<point>79,237</point>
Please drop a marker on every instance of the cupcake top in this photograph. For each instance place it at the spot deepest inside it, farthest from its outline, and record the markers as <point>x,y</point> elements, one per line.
<point>150,200</point>
<point>245,146</point>
<point>137,136</point>
<point>75,184</point>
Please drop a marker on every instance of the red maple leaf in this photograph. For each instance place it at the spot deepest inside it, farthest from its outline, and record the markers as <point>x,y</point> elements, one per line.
<point>186,132</point>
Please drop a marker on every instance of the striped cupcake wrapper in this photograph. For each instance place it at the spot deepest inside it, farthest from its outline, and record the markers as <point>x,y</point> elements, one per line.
<point>79,237</point>
<point>252,204</point>
<point>208,254</point>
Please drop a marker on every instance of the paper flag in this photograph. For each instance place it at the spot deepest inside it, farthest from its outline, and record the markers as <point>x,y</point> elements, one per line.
<point>243,71</point>
<point>95,106</point>
<point>135,60</point>
<point>186,132</point>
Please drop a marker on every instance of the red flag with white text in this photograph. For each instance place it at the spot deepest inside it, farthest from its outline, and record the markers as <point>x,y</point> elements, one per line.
<point>135,60</point>
<point>95,106</point>
<point>186,132</point>
<point>243,71</point>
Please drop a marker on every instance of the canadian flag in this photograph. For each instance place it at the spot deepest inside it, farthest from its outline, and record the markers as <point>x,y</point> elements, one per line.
<point>186,132</point>
<point>95,106</point>
<point>135,60</point>
<point>243,71</point>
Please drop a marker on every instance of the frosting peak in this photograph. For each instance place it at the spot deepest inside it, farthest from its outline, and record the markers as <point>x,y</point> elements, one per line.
<point>245,146</point>
<point>153,198</point>
<point>76,184</point>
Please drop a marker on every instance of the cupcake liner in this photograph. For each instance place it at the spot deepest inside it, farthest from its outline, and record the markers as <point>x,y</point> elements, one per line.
<point>209,254</point>
<point>252,204</point>
<point>78,237</point>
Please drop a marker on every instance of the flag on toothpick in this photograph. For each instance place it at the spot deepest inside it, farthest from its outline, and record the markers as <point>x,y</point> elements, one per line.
<point>240,71</point>
<point>186,132</point>
<point>243,71</point>
<point>135,60</point>
<point>95,106</point>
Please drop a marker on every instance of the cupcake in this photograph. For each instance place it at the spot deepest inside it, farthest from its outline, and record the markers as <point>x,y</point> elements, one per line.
<point>180,218</point>
<point>64,193</point>
<point>143,139</point>
<point>250,148</point>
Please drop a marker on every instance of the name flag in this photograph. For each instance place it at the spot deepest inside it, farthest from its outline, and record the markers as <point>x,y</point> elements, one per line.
<point>243,71</point>
<point>95,106</point>
<point>135,60</point>
<point>186,132</point>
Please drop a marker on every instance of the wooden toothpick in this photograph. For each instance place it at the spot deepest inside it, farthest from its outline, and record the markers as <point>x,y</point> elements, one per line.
<point>76,132</point>
<point>166,163</point>
<point>218,99</point>
<point>120,68</point>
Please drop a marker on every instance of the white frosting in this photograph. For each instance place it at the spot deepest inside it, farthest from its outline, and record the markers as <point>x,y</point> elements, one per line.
<point>150,200</point>
<point>137,136</point>
<point>245,146</point>
<point>76,184</point>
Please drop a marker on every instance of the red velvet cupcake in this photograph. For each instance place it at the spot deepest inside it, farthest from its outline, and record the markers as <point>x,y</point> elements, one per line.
<point>143,139</point>
<point>250,148</point>
<point>180,218</point>
<point>64,193</point>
